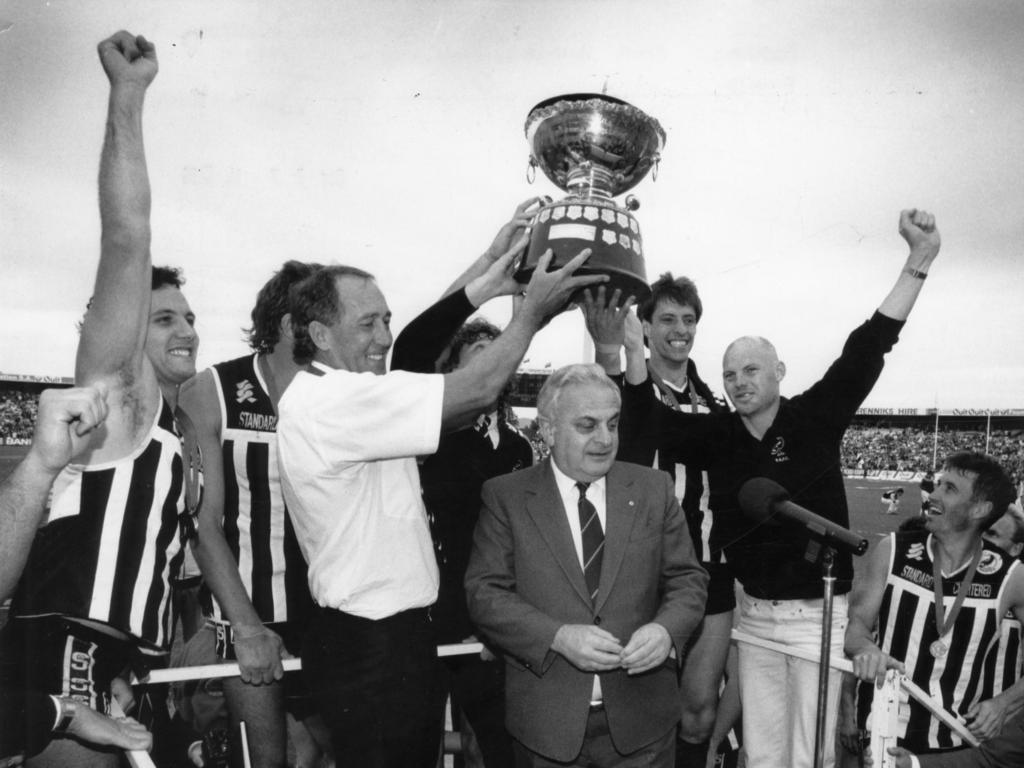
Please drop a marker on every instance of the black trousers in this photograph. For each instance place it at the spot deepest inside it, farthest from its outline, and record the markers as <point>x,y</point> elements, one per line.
<point>376,684</point>
<point>478,689</point>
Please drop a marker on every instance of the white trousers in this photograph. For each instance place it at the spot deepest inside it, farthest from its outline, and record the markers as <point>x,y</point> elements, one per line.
<point>780,693</point>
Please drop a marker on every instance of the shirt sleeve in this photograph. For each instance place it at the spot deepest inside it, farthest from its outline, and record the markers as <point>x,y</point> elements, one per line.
<point>426,337</point>
<point>364,417</point>
<point>839,393</point>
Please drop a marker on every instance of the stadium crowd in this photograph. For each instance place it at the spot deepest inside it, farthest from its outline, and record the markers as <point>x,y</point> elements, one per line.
<point>865,448</point>
<point>357,516</point>
<point>911,449</point>
<point>18,413</point>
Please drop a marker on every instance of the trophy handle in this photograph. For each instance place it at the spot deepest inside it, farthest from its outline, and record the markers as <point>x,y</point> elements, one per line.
<point>531,170</point>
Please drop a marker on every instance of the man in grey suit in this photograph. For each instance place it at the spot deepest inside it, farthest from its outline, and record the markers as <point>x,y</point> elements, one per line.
<point>583,574</point>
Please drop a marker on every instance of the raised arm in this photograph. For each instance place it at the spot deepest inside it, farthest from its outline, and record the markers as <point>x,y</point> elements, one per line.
<point>509,234</point>
<point>65,421</point>
<point>478,384</point>
<point>647,424</point>
<point>849,380</point>
<point>605,324</point>
<point>257,647</point>
<point>114,329</point>
<point>421,343</point>
<point>918,229</point>
<point>633,339</point>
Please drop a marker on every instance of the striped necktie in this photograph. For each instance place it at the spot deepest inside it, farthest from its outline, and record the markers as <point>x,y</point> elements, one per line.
<point>593,541</point>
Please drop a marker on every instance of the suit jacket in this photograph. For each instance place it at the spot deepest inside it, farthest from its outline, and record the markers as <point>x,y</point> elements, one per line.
<point>1003,751</point>
<point>524,581</point>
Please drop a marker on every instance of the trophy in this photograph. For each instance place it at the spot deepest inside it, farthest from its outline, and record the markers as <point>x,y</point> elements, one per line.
<point>594,147</point>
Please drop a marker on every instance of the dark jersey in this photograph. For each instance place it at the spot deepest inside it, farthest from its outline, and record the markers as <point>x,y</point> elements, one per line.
<point>451,479</point>
<point>800,451</point>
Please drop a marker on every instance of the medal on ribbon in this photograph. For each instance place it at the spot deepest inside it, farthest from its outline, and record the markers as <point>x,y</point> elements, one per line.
<point>944,624</point>
<point>938,649</point>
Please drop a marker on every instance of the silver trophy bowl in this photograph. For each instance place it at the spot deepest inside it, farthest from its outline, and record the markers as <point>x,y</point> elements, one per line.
<point>594,147</point>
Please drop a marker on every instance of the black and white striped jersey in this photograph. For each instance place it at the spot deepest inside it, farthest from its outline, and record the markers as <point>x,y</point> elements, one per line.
<point>1005,662</point>
<point>256,524</point>
<point>907,629</point>
<point>111,543</point>
<point>691,483</point>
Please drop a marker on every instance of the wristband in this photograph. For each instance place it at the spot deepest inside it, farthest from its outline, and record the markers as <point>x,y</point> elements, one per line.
<point>65,713</point>
<point>916,273</point>
<point>607,348</point>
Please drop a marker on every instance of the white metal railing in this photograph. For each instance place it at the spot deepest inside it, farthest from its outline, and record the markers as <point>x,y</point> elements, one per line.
<point>141,758</point>
<point>885,705</point>
<point>886,702</point>
<point>207,671</point>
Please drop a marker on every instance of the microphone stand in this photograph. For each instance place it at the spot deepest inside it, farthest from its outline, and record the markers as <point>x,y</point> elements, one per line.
<point>828,555</point>
<point>761,499</point>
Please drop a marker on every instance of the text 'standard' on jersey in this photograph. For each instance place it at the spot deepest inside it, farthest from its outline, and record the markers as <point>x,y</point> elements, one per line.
<point>260,421</point>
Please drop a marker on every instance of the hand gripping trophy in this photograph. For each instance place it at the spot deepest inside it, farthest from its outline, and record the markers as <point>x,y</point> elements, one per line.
<point>594,147</point>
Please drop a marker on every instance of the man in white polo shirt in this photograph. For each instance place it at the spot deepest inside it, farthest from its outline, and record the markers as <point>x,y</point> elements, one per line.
<point>348,435</point>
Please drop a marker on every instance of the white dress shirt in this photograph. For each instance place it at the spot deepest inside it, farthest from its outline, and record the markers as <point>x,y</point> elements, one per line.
<point>347,444</point>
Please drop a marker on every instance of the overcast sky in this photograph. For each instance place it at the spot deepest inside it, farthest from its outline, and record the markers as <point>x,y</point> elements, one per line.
<point>389,135</point>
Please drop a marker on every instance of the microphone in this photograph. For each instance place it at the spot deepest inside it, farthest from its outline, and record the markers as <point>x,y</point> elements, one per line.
<point>761,499</point>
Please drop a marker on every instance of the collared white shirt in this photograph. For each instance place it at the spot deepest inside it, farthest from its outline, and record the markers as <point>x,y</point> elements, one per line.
<point>347,444</point>
<point>570,494</point>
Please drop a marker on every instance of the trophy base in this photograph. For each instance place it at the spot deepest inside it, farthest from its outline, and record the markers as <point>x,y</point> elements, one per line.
<point>610,232</point>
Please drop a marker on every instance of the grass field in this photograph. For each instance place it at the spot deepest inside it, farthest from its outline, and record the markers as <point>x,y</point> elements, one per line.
<point>866,509</point>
